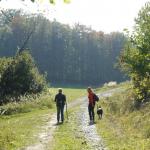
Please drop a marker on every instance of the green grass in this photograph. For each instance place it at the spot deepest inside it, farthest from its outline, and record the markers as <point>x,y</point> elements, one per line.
<point>68,136</point>
<point>71,93</point>
<point>16,131</point>
<point>123,85</point>
<point>45,100</point>
<point>27,104</point>
<point>123,127</point>
<point>20,122</point>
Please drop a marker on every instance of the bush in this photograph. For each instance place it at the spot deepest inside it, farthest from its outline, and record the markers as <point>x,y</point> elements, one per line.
<point>121,103</point>
<point>135,58</point>
<point>27,104</point>
<point>19,77</point>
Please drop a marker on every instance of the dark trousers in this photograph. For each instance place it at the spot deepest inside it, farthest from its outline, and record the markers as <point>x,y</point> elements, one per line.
<point>91,112</point>
<point>60,111</point>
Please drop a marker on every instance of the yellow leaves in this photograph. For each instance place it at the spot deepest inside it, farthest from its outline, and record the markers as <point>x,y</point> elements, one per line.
<point>51,1</point>
<point>67,1</point>
<point>41,1</point>
<point>137,91</point>
<point>37,1</point>
<point>54,1</point>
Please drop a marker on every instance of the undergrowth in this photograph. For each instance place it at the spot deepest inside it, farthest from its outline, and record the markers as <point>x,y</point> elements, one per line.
<point>125,127</point>
<point>27,104</point>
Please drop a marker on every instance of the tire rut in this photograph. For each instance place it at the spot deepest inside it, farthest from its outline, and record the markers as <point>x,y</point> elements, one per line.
<point>89,130</point>
<point>45,136</point>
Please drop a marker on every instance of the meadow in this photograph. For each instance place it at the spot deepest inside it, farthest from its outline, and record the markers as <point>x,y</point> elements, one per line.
<point>124,127</point>
<point>20,122</point>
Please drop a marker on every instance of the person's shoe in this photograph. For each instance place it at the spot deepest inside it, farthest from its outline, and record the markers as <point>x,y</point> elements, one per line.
<point>57,122</point>
<point>90,122</point>
<point>94,122</point>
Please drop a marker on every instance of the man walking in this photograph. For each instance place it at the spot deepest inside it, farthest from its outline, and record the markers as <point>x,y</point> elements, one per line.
<point>60,100</point>
<point>91,105</point>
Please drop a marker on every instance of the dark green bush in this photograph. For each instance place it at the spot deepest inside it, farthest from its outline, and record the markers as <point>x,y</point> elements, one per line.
<point>19,77</point>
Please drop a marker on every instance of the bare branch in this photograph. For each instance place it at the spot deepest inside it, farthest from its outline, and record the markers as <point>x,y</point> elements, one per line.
<point>8,18</point>
<point>30,33</point>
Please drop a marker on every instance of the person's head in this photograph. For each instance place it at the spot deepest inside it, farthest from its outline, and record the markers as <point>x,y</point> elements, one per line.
<point>59,90</point>
<point>89,89</point>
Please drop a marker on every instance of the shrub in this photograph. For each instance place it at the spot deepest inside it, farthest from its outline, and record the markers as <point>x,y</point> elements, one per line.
<point>19,77</point>
<point>27,104</point>
<point>135,59</point>
<point>122,103</point>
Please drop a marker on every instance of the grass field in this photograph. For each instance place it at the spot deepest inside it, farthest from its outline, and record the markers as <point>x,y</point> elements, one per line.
<point>122,127</point>
<point>16,131</point>
<point>71,93</point>
<point>21,121</point>
<point>123,85</point>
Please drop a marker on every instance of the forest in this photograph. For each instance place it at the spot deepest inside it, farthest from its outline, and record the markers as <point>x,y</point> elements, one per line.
<point>66,54</point>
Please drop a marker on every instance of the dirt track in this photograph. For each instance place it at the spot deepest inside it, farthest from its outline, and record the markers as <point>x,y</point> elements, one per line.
<point>89,131</point>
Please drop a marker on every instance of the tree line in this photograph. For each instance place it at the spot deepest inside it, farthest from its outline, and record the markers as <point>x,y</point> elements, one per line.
<point>75,55</point>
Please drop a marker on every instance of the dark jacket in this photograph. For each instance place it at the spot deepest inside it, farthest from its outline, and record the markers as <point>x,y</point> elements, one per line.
<point>60,99</point>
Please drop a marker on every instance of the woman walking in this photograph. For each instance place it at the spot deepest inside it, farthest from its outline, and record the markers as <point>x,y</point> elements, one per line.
<point>91,105</point>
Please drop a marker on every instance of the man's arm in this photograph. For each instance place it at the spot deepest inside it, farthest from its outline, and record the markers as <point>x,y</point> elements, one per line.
<point>55,98</point>
<point>64,99</point>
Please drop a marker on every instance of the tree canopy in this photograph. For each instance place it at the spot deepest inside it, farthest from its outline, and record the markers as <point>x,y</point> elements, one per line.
<point>135,60</point>
<point>51,1</point>
<point>78,55</point>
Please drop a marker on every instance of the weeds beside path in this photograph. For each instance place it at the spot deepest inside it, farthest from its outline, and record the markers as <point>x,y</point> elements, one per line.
<point>124,128</point>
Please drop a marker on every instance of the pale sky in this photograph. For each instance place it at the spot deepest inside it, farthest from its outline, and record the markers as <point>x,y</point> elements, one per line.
<point>104,15</point>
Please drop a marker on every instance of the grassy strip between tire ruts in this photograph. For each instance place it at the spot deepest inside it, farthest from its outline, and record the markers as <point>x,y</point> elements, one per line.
<point>69,136</point>
<point>122,127</point>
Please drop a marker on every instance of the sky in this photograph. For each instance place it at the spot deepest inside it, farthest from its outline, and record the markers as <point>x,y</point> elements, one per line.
<point>101,15</point>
